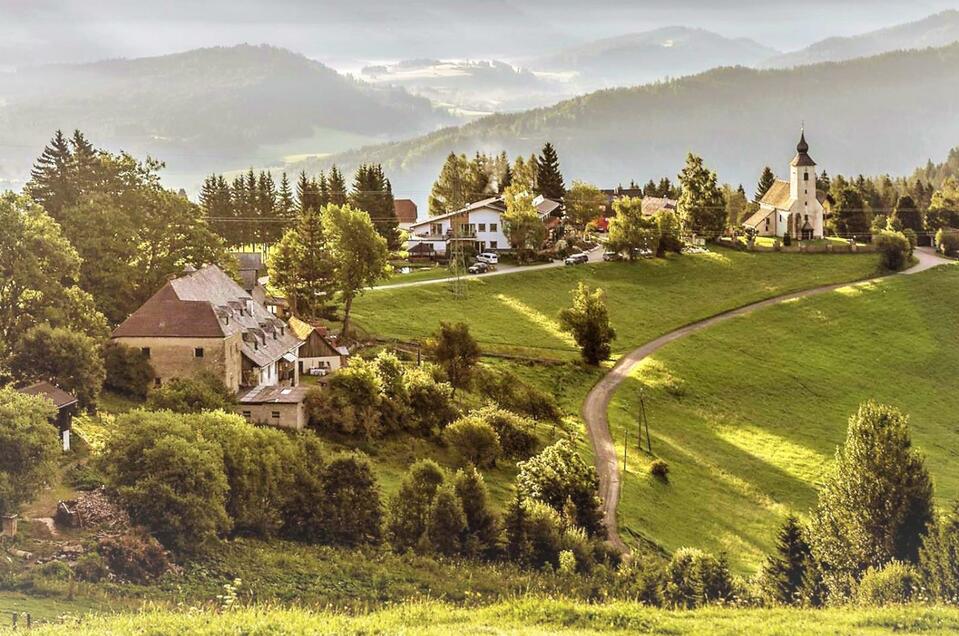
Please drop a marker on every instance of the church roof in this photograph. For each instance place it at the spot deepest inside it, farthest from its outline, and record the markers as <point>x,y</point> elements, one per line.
<point>777,195</point>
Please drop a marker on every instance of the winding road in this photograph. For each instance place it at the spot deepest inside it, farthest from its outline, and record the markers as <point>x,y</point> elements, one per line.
<point>597,401</point>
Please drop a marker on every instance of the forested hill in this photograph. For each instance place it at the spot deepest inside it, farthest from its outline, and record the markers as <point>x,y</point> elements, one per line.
<point>883,114</point>
<point>940,29</point>
<point>206,108</point>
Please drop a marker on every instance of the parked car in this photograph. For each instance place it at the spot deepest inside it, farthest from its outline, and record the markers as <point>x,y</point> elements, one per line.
<point>577,259</point>
<point>478,268</point>
<point>611,256</point>
<point>489,258</point>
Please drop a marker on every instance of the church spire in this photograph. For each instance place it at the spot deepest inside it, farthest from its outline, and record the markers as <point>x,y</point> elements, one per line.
<point>802,147</point>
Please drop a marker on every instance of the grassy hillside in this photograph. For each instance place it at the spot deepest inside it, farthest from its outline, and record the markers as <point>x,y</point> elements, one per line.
<point>738,119</point>
<point>747,413</point>
<point>517,313</point>
<point>526,616</point>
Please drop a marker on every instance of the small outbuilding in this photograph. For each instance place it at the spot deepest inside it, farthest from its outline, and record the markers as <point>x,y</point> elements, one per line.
<point>66,407</point>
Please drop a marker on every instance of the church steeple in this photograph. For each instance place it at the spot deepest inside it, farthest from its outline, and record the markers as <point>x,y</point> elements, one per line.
<point>802,157</point>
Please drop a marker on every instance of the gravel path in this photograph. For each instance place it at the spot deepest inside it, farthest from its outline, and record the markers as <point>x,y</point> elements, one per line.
<point>597,402</point>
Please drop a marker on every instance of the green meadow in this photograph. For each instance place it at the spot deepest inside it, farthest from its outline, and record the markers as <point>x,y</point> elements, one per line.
<point>517,313</point>
<point>748,413</point>
<point>530,616</point>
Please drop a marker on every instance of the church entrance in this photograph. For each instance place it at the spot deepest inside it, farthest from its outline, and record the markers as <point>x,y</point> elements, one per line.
<point>807,234</point>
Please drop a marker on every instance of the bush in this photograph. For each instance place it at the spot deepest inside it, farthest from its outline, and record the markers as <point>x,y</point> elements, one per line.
<point>559,475</point>
<point>896,583</point>
<point>912,237</point>
<point>515,433</point>
<point>350,402</point>
<point>91,567</point>
<point>474,440</point>
<point>456,351</point>
<point>939,557</point>
<point>203,392</point>
<point>353,512</point>
<point>482,523</point>
<point>509,391</point>
<point>588,320</point>
<point>55,571</point>
<point>659,468</point>
<point>128,370</point>
<point>28,447</point>
<point>430,402</point>
<point>304,514</point>
<point>695,578</point>
<point>894,250</point>
<point>168,477</point>
<point>85,477</point>
<point>947,241</point>
<point>135,557</point>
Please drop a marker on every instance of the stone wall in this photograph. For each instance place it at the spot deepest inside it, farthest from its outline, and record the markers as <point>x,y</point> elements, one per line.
<point>176,357</point>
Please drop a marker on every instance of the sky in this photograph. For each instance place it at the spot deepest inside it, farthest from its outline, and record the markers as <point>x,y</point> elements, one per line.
<point>347,35</point>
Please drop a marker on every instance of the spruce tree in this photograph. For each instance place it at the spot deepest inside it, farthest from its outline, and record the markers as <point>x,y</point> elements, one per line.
<point>373,194</point>
<point>450,190</point>
<point>766,181</point>
<point>549,179</point>
<point>51,179</point>
<point>701,204</point>
<point>336,186</point>
<point>786,569</point>
<point>285,201</point>
<point>939,558</point>
<point>482,525</point>
<point>446,522</point>
<point>518,546</point>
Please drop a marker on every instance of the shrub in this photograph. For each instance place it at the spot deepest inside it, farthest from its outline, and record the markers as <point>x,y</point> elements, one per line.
<point>482,523</point>
<point>659,468</point>
<point>430,402</point>
<point>202,392</point>
<point>85,477</point>
<point>515,433</point>
<point>258,465</point>
<point>567,562</point>
<point>29,447</point>
<point>896,583</point>
<point>55,571</point>
<point>947,241</point>
<point>558,474</point>
<point>350,402</point>
<point>894,250</point>
<point>304,514</point>
<point>168,477</point>
<point>939,557</point>
<point>128,370</point>
<point>91,567</point>
<point>135,557</point>
<point>695,578</point>
<point>474,440</point>
<point>912,237</point>
<point>509,391</point>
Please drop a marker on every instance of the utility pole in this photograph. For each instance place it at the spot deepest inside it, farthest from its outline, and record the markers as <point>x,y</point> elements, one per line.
<point>642,408</point>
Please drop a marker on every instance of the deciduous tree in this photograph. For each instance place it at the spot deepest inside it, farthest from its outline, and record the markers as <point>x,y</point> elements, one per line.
<point>630,230</point>
<point>71,360</point>
<point>29,448</point>
<point>456,351</point>
<point>584,204</point>
<point>701,205</point>
<point>588,320</point>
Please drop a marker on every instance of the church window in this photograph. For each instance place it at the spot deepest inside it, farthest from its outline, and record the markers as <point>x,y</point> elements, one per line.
<point>805,176</point>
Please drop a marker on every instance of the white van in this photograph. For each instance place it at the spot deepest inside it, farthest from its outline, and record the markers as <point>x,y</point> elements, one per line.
<point>489,258</point>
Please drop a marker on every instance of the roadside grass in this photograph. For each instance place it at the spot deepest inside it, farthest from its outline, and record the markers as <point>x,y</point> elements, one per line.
<point>748,413</point>
<point>517,313</point>
<point>527,616</point>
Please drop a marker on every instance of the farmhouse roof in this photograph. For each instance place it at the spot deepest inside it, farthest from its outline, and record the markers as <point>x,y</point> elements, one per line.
<point>207,303</point>
<point>274,394</point>
<point>60,398</point>
<point>495,203</point>
<point>652,205</point>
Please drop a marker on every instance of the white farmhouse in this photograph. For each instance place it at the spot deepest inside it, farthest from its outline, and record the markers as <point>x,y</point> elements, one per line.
<point>792,207</point>
<point>478,224</point>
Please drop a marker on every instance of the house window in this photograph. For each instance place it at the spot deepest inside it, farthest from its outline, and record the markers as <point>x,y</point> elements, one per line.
<point>275,415</point>
<point>767,222</point>
<point>198,352</point>
<point>492,227</point>
<point>247,415</point>
<point>481,227</point>
<point>492,245</point>
<point>156,381</point>
<point>145,351</point>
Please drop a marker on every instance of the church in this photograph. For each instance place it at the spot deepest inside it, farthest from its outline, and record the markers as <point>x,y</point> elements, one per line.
<point>792,207</point>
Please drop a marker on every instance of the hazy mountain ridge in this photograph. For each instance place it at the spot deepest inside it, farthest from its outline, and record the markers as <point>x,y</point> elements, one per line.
<point>207,106</point>
<point>860,115</point>
<point>936,30</point>
<point>638,58</point>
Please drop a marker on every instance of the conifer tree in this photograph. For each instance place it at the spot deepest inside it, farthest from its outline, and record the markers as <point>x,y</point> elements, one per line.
<point>786,569</point>
<point>336,187</point>
<point>482,525</point>
<point>51,179</point>
<point>518,545</point>
<point>285,202</point>
<point>449,191</point>
<point>322,188</point>
<point>549,179</point>
<point>908,214</point>
<point>307,195</point>
<point>373,194</point>
<point>447,522</point>
<point>266,226</point>
<point>766,181</point>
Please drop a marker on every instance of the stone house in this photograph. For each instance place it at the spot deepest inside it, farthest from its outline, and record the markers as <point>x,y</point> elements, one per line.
<point>203,320</point>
